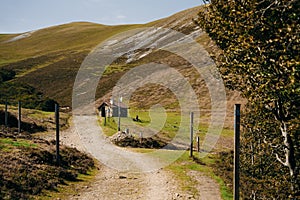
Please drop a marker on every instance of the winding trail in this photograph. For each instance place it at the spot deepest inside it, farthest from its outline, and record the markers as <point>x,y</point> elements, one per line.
<point>156,185</point>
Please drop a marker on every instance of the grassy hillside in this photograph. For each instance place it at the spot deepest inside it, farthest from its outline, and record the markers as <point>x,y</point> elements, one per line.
<point>79,36</point>
<point>49,59</point>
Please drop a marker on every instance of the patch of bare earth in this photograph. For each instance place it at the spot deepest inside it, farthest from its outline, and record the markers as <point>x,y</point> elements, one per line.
<point>207,187</point>
<point>111,184</point>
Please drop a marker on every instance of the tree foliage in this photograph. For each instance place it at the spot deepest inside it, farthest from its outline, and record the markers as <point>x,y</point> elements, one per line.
<point>260,46</point>
<point>13,92</point>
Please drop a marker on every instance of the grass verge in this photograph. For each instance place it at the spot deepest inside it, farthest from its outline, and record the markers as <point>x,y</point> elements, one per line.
<point>205,165</point>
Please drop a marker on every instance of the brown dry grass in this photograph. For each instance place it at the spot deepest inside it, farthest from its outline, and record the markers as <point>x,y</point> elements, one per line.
<point>28,166</point>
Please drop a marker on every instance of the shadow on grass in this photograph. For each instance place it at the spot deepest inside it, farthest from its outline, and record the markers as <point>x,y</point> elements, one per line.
<point>25,126</point>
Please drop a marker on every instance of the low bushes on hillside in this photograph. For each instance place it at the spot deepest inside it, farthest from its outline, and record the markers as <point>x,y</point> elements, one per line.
<point>28,167</point>
<point>13,92</point>
<point>13,123</point>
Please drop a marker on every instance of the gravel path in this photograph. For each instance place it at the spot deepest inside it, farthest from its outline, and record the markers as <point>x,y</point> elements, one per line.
<point>157,185</point>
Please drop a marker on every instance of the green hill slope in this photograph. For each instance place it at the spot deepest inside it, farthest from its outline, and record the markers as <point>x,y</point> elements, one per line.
<point>78,36</point>
<point>48,59</point>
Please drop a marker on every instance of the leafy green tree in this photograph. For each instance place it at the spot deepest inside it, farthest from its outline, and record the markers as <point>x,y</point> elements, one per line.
<point>260,43</point>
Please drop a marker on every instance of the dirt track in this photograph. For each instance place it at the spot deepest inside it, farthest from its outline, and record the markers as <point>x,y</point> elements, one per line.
<point>159,185</point>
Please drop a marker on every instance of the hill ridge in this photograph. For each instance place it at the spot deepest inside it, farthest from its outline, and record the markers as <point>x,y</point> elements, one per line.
<point>49,58</point>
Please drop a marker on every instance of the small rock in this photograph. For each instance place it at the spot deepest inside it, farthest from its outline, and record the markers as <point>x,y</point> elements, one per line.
<point>190,197</point>
<point>122,177</point>
<point>177,195</point>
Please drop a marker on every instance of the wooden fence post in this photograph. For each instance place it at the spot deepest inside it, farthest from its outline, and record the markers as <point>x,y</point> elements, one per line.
<point>119,113</point>
<point>6,115</point>
<point>192,133</point>
<point>198,144</point>
<point>236,180</point>
<point>57,133</point>
<point>19,116</point>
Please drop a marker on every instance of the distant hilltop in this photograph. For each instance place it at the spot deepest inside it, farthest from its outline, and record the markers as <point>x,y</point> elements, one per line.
<point>48,59</point>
